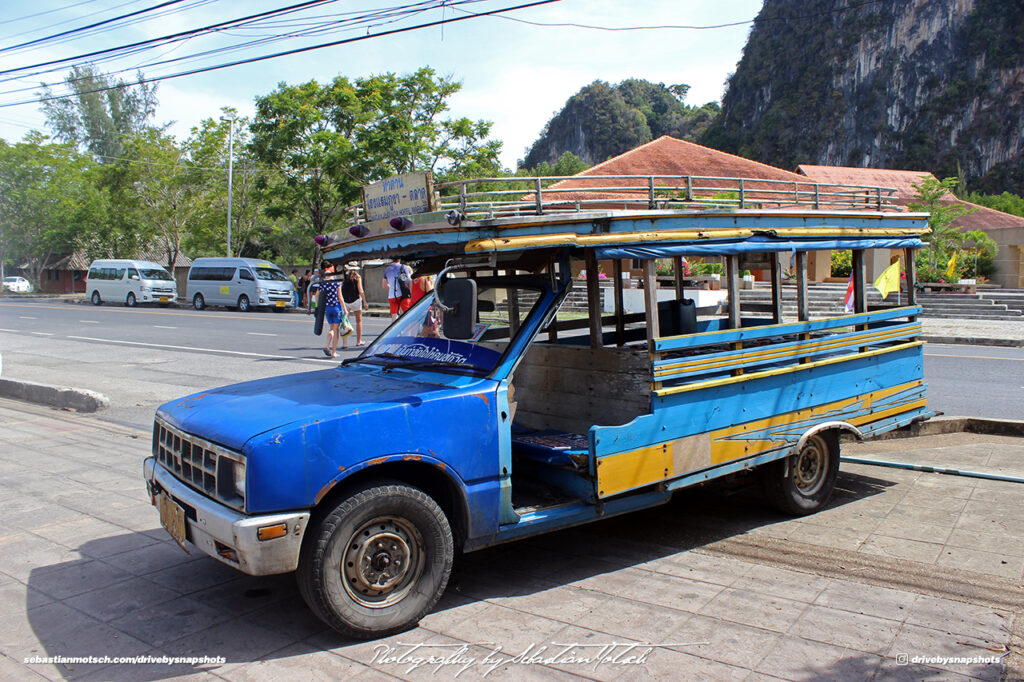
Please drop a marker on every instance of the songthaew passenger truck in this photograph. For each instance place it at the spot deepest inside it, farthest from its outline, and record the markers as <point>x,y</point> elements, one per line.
<point>492,411</point>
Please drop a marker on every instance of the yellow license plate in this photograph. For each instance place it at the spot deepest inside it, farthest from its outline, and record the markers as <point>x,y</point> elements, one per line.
<point>163,299</point>
<point>172,517</point>
<point>281,304</point>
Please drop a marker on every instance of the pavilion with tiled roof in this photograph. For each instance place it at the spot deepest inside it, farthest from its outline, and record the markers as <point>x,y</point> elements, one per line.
<point>1006,229</point>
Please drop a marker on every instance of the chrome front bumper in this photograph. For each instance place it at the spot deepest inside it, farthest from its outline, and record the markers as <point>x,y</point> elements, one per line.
<point>227,535</point>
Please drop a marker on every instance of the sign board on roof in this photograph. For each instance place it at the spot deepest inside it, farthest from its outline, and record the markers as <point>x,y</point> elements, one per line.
<point>399,195</point>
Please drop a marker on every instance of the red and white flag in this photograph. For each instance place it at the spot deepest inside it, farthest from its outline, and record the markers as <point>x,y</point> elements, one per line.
<point>848,299</point>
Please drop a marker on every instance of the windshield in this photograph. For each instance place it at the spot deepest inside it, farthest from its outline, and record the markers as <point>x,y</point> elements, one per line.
<point>154,273</point>
<point>271,274</point>
<point>417,338</point>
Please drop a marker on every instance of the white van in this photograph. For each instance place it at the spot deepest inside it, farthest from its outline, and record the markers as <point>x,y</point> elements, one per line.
<point>130,282</point>
<point>240,283</point>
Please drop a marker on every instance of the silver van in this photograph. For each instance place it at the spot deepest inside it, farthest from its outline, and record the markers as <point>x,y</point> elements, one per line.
<point>130,282</point>
<point>238,283</point>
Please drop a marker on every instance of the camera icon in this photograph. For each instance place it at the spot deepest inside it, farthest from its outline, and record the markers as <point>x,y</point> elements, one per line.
<point>902,659</point>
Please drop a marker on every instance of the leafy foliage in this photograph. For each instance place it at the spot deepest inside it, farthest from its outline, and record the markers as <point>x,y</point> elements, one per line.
<point>947,240</point>
<point>820,82</point>
<point>101,114</point>
<point>49,198</point>
<point>1005,202</point>
<point>325,141</point>
<point>602,120</point>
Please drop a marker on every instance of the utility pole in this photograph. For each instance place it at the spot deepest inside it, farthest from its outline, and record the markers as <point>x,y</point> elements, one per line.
<point>231,158</point>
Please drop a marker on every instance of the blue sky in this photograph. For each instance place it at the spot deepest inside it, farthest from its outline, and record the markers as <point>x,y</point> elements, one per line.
<point>515,74</point>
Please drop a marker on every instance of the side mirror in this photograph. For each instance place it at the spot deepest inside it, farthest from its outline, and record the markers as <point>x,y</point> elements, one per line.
<point>459,295</point>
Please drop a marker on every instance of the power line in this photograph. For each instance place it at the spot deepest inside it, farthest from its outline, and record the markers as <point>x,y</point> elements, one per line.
<point>91,26</point>
<point>167,38</point>
<point>384,15</point>
<point>49,11</point>
<point>285,53</point>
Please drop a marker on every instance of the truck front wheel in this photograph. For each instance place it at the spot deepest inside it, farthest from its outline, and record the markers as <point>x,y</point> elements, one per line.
<point>378,562</point>
<point>803,482</point>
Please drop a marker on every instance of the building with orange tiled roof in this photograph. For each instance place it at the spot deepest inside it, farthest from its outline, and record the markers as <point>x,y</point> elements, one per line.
<point>1006,229</point>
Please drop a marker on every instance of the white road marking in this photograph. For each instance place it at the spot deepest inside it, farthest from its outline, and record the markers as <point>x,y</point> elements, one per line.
<point>89,321</point>
<point>204,350</point>
<point>259,334</point>
<point>26,317</point>
<point>13,331</point>
<point>160,326</point>
<point>42,333</point>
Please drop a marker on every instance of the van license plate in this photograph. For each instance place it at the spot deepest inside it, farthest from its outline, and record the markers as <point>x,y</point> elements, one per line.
<point>281,304</point>
<point>163,299</point>
<point>172,517</point>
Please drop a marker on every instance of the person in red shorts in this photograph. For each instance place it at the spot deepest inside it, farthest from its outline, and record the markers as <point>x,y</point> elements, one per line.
<point>397,302</point>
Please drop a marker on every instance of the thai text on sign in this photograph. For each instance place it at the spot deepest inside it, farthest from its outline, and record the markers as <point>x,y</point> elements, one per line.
<point>398,196</point>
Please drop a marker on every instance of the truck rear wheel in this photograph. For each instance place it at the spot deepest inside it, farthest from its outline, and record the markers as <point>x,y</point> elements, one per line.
<point>803,482</point>
<point>378,562</point>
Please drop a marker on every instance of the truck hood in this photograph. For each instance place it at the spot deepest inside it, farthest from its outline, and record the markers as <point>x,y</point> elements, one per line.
<point>231,415</point>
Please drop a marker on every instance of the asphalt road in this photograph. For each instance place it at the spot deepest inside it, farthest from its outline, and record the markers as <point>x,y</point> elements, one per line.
<point>142,357</point>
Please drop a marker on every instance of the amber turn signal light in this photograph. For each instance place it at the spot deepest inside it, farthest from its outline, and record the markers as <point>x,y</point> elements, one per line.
<point>270,532</point>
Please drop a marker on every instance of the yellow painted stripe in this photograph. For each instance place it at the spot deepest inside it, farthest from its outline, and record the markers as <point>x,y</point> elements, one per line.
<point>780,353</point>
<point>592,240</point>
<point>780,325</point>
<point>782,370</point>
<point>652,464</point>
<point>725,449</point>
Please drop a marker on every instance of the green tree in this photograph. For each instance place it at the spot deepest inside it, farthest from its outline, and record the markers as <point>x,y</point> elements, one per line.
<point>947,238</point>
<point>567,164</point>
<point>307,134</point>
<point>49,199</point>
<point>101,113</point>
<point>325,141</point>
<point>172,198</point>
<point>207,149</point>
<point>1005,202</point>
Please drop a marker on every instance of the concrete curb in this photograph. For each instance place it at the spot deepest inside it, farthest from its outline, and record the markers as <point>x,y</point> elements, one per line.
<point>973,341</point>
<point>78,399</point>
<point>938,426</point>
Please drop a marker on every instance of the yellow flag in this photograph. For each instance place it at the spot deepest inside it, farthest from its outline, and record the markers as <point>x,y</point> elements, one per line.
<point>889,280</point>
<point>951,268</point>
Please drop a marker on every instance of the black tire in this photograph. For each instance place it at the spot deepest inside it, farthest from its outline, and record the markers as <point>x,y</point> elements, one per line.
<point>130,300</point>
<point>403,541</point>
<point>198,302</point>
<point>243,304</point>
<point>95,298</point>
<point>803,482</point>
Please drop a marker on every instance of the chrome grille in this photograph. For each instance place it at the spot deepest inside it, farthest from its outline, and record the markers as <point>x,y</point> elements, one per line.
<point>203,466</point>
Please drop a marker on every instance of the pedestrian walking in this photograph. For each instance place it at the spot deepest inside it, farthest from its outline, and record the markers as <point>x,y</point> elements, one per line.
<point>354,298</point>
<point>398,283</point>
<point>335,314</point>
<point>304,289</point>
<point>294,279</point>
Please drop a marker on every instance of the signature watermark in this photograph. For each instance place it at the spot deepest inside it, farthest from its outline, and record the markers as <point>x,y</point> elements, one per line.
<point>455,659</point>
<point>906,659</point>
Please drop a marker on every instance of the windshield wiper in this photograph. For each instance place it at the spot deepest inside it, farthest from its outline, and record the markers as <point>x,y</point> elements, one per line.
<point>375,356</point>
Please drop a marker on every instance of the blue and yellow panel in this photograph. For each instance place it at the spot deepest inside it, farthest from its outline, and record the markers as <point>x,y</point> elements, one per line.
<point>653,464</point>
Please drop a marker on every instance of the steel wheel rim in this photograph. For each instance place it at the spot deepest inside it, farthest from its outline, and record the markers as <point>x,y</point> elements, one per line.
<point>811,466</point>
<point>382,562</point>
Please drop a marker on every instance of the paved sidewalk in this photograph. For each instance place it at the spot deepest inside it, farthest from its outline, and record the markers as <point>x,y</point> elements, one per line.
<point>903,563</point>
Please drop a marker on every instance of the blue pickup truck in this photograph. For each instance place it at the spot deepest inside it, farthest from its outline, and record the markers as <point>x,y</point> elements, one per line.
<point>494,410</point>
